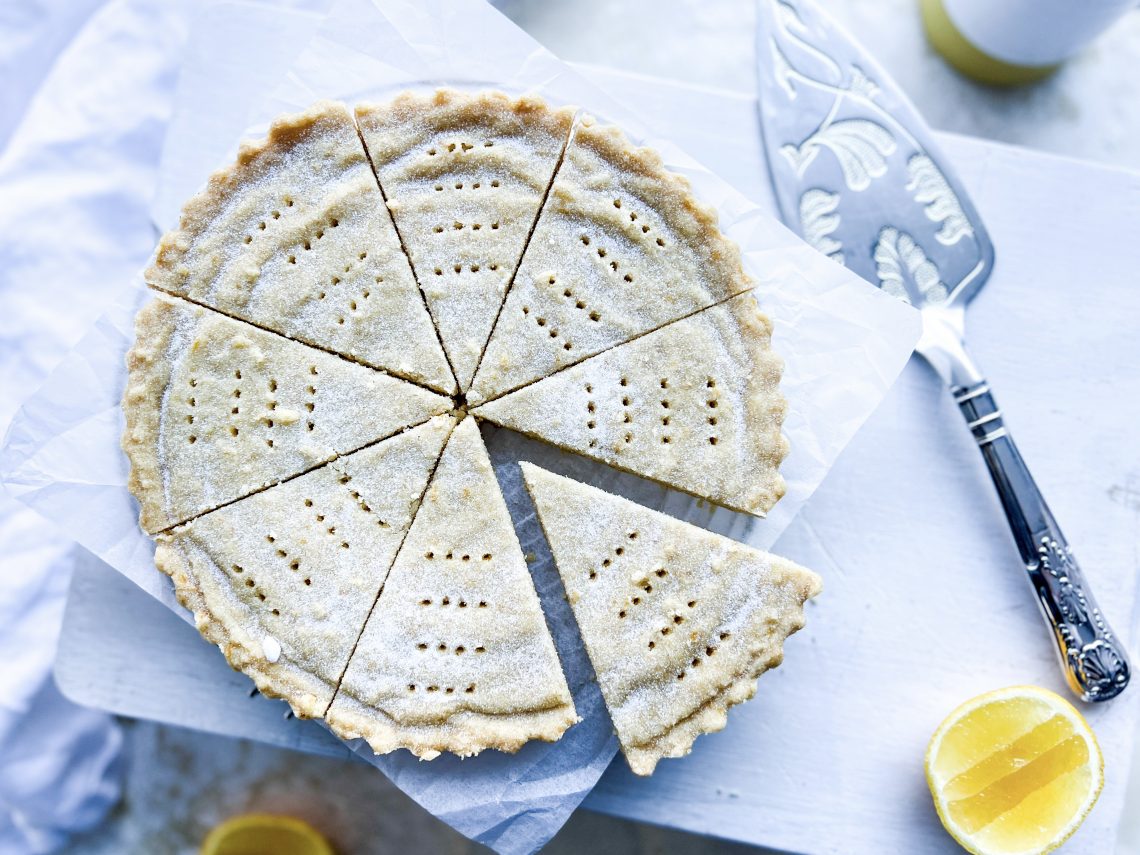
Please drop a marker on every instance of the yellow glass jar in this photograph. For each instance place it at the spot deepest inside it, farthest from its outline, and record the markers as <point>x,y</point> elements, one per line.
<point>960,52</point>
<point>1013,42</point>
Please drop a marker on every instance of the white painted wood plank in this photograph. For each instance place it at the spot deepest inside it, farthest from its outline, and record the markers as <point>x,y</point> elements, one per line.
<point>123,651</point>
<point>924,603</point>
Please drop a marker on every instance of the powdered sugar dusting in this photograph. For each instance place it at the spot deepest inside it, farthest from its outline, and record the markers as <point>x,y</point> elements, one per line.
<point>456,655</point>
<point>616,288</point>
<point>620,248</point>
<point>295,238</point>
<point>695,405</point>
<point>293,571</point>
<point>220,434</point>
<point>464,176</point>
<point>677,621</point>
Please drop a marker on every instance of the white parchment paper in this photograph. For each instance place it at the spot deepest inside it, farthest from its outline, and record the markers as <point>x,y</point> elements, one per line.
<point>844,342</point>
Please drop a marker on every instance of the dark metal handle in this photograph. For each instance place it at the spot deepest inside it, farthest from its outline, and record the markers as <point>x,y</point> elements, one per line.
<point>1093,659</point>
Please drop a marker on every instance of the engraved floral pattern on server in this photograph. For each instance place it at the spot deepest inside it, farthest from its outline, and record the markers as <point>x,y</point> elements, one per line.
<point>860,145</point>
<point>931,189</point>
<point>877,143</point>
<point>1098,664</point>
<point>819,219</point>
<point>904,269</point>
<point>793,28</point>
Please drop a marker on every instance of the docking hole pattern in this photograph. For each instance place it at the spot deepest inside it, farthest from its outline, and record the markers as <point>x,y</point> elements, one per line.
<point>488,240</point>
<point>278,228</point>
<point>626,414</point>
<point>647,592</point>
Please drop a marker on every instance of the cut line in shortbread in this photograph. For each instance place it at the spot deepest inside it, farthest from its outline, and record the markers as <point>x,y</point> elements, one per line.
<point>621,247</point>
<point>217,409</point>
<point>294,237</point>
<point>283,581</point>
<point>335,525</point>
<point>695,406</point>
<point>456,655</point>
<point>464,176</point>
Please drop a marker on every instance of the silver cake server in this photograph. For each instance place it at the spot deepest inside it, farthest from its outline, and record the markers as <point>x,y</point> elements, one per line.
<point>858,175</point>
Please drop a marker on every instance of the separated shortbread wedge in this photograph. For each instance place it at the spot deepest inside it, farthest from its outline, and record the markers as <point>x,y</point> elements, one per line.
<point>678,622</point>
<point>456,656</point>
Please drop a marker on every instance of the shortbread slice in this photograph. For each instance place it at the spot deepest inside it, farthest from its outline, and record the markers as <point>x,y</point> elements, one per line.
<point>457,655</point>
<point>464,175</point>
<point>621,248</point>
<point>216,409</point>
<point>678,622</point>
<point>294,237</point>
<point>695,405</point>
<point>283,581</point>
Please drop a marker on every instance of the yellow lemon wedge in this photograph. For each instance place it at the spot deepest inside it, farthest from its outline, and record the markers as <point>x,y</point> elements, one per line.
<point>1014,771</point>
<point>265,834</point>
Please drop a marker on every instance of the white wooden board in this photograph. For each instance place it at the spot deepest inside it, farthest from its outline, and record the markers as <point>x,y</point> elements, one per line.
<point>925,603</point>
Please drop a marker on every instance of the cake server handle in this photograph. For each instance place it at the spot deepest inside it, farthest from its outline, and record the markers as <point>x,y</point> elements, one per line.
<point>1092,657</point>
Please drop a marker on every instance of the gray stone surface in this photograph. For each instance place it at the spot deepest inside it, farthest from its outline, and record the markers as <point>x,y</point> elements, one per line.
<point>181,783</point>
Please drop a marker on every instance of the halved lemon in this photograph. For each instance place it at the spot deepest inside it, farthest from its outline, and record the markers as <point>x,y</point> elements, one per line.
<point>1014,772</point>
<point>265,834</point>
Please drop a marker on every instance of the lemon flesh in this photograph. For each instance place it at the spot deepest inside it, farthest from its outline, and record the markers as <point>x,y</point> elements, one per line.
<point>1014,771</point>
